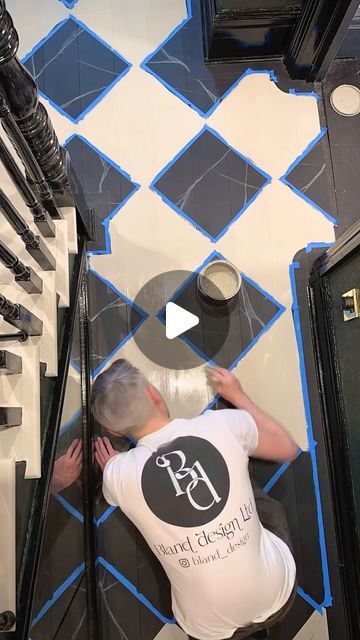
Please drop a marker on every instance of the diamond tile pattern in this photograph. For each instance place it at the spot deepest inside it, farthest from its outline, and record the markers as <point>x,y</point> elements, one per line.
<point>73,68</point>
<point>66,618</point>
<point>125,615</point>
<point>179,64</point>
<point>106,187</point>
<point>308,176</point>
<point>210,183</point>
<point>251,313</point>
<point>113,319</point>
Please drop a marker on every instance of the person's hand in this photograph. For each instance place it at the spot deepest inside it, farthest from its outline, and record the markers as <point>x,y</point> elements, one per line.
<point>104,451</point>
<point>227,386</point>
<point>67,468</point>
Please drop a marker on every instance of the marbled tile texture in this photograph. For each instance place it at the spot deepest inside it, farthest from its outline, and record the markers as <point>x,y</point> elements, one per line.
<point>178,160</point>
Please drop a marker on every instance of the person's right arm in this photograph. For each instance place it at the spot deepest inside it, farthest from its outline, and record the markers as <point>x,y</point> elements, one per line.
<point>274,443</point>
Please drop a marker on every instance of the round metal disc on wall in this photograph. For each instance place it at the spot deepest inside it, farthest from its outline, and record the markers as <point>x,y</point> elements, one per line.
<point>345,100</point>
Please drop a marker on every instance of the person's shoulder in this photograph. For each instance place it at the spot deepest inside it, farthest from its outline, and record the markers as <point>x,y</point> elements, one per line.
<point>121,460</point>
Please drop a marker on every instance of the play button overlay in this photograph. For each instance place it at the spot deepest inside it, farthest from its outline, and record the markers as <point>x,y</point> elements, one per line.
<point>182,331</point>
<point>178,320</point>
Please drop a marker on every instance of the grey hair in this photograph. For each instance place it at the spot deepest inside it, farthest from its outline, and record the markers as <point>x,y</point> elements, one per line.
<point>118,398</point>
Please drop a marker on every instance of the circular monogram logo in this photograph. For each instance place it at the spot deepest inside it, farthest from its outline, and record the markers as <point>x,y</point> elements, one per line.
<point>186,482</point>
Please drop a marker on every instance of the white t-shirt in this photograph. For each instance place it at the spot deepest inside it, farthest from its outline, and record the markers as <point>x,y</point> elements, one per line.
<point>187,489</point>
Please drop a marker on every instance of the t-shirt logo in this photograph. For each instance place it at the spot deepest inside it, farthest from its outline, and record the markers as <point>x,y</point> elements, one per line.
<point>192,476</point>
<point>186,482</point>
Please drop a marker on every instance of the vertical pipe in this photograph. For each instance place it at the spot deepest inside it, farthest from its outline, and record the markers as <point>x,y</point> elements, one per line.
<point>88,483</point>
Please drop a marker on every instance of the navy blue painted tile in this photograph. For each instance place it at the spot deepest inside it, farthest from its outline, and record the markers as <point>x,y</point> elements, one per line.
<point>106,187</point>
<point>73,68</point>
<point>66,617</point>
<point>124,615</point>
<point>210,183</point>
<point>295,489</point>
<point>308,176</point>
<point>113,319</point>
<point>230,331</point>
<point>179,64</point>
<point>297,617</point>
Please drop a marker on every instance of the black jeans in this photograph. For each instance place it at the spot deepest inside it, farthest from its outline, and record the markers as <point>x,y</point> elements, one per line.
<point>272,517</point>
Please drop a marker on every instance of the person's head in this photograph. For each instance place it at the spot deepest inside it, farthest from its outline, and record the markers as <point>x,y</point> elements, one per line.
<point>124,402</point>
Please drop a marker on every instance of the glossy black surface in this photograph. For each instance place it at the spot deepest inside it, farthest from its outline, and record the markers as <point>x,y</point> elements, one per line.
<point>318,36</point>
<point>258,5</point>
<point>344,139</point>
<point>42,218</point>
<point>21,93</point>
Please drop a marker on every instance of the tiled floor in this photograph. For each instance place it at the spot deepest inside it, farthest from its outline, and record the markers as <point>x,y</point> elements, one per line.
<point>181,160</point>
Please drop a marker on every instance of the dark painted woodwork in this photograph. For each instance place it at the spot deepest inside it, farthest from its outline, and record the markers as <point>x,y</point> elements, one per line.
<point>350,46</point>
<point>344,139</point>
<point>258,5</point>
<point>337,615</point>
<point>52,402</point>
<point>307,35</point>
<point>88,479</point>
<point>318,36</point>
<point>41,217</point>
<point>29,161</point>
<point>31,116</point>
<point>10,363</point>
<point>342,440</point>
<point>10,417</point>
<point>33,244</point>
<point>19,317</point>
<point>247,31</point>
<point>25,276</point>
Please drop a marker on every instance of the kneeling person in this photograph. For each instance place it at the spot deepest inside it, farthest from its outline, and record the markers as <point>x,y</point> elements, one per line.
<point>223,543</point>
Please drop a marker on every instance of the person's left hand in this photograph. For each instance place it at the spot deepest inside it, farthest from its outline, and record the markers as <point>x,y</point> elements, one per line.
<point>104,451</point>
<point>67,468</point>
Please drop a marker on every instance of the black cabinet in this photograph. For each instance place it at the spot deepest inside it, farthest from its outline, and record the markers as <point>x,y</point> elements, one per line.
<point>305,34</point>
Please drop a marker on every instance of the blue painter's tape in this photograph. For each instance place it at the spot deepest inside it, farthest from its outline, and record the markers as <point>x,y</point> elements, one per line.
<point>130,587</point>
<point>304,153</point>
<point>103,93</point>
<point>186,216</point>
<point>105,516</point>
<point>273,480</point>
<point>102,154</point>
<point>106,221</point>
<point>284,178</point>
<point>312,442</point>
<point>74,512</point>
<point>176,92</point>
<point>311,94</point>
<point>132,304</point>
<point>310,600</point>
<point>58,593</point>
<point>318,245</point>
<point>70,4</point>
<point>202,354</point>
